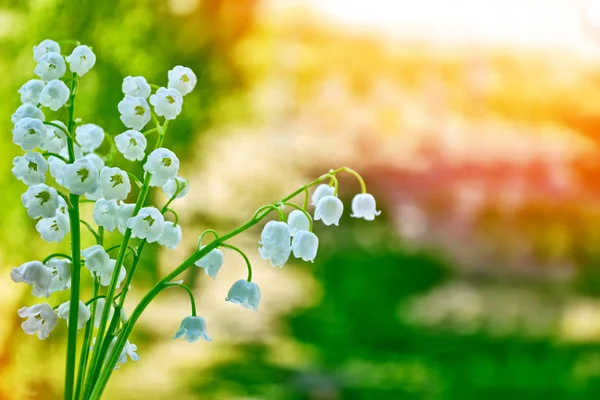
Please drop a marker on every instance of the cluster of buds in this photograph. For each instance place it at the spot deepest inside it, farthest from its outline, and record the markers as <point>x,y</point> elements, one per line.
<point>70,153</point>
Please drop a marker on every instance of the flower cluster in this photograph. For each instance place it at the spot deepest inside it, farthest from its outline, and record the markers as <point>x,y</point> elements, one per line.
<point>70,162</point>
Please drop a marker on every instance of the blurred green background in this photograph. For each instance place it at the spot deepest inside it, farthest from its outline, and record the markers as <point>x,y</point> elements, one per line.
<point>477,131</point>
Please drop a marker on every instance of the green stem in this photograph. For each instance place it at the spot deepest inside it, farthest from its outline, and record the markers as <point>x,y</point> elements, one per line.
<point>190,293</point>
<point>75,265</point>
<point>54,255</point>
<point>229,246</point>
<point>48,154</point>
<point>89,227</point>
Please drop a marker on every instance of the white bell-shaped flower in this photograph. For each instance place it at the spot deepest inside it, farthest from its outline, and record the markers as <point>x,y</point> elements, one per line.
<point>124,212</point>
<point>41,318</point>
<point>132,144</point>
<point>136,86</point>
<point>57,168</point>
<point>83,313</point>
<point>50,66</point>
<point>81,177</point>
<point>30,169</point>
<point>81,60</point>
<point>182,79</point>
<point>45,46</point>
<point>96,258</point>
<point>98,163</point>
<point>100,304</point>
<point>30,91</point>
<point>211,262</point>
<point>89,137</point>
<point>178,185</point>
<point>35,274</point>
<point>107,273</point>
<point>27,110</point>
<point>56,139</point>
<point>275,241</point>
<point>53,229</point>
<point>62,206</point>
<point>40,201</point>
<point>29,133</point>
<point>135,112</point>
<point>305,245</point>
<point>321,191</point>
<point>192,328</point>
<point>171,235</point>
<point>106,214</point>
<point>54,95</point>
<point>329,210</point>
<point>114,183</point>
<point>298,221</point>
<point>167,102</point>
<point>163,164</point>
<point>244,293</point>
<point>148,224</point>
<point>61,274</point>
<point>364,206</point>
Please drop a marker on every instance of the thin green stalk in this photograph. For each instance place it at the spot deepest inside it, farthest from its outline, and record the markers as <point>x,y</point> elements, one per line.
<point>75,265</point>
<point>297,207</point>
<point>189,291</point>
<point>54,255</point>
<point>229,246</point>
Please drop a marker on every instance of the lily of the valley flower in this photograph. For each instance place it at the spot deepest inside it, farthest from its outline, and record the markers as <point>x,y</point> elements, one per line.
<point>45,46</point>
<point>83,313</point>
<point>173,185</point>
<point>89,137</point>
<point>100,303</point>
<point>163,164</point>
<point>182,79</point>
<point>57,169</point>
<point>167,102</point>
<point>114,183</point>
<point>56,139</point>
<point>54,95</point>
<point>148,224</point>
<point>275,241</point>
<point>107,272</point>
<point>106,214</point>
<point>132,144</point>
<point>364,206</point>
<point>136,86</point>
<point>192,328</point>
<point>211,262</point>
<point>124,212</point>
<point>35,274</point>
<point>135,112</point>
<point>81,60</point>
<point>81,177</point>
<point>30,91</point>
<point>53,229</point>
<point>298,221</point>
<point>244,293</point>
<point>96,258</point>
<point>27,110</point>
<point>41,201</point>
<point>61,274</point>
<point>321,191</point>
<point>329,210</point>
<point>30,169</point>
<point>41,318</point>
<point>305,245</point>
<point>50,66</point>
<point>171,235</point>
<point>29,133</point>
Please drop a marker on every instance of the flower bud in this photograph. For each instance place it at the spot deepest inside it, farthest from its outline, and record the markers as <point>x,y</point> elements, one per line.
<point>171,235</point>
<point>54,95</point>
<point>56,139</point>
<point>136,86</point>
<point>211,262</point>
<point>27,110</point>
<point>321,191</point>
<point>89,137</point>
<point>50,66</point>
<point>173,185</point>
<point>305,245</point>
<point>106,214</point>
<point>363,206</point>
<point>45,46</point>
<point>83,313</point>
<point>30,91</point>
<point>298,221</point>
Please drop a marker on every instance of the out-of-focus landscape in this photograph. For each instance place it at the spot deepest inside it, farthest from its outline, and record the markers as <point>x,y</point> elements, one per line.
<point>476,125</point>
